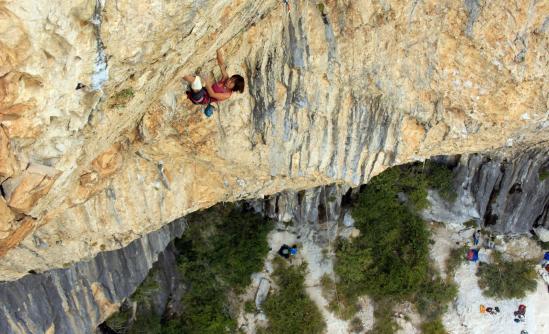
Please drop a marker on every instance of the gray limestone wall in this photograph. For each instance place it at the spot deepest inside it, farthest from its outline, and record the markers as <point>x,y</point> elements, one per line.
<point>508,195</point>
<point>73,300</point>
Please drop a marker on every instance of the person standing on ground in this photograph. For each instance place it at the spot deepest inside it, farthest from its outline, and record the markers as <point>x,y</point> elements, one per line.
<point>206,92</point>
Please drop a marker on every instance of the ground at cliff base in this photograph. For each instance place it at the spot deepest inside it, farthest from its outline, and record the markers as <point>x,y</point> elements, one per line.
<point>318,264</point>
<point>463,316</point>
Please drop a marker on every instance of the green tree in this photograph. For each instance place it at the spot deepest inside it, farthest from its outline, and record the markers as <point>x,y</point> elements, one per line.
<point>506,279</point>
<point>289,309</point>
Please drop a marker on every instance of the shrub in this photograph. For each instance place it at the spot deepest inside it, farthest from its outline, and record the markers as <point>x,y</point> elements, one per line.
<point>352,260</point>
<point>146,321</point>
<point>506,279</point>
<point>456,257</point>
<point>543,174</point>
<point>218,253</point>
<point>328,286</point>
<point>146,324</point>
<point>356,325</point>
<point>389,260</point>
<point>205,300</point>
<point>383,314</point>
<point>338,303</point>
<point>320,7</point>
<point>433,327</point>
<point>249,306</point>
<point>440,178</point>
<point>121,98</point>
<point>119,321</point>
<point>433,297</point>
<point>147,289</point>
<point>470,224</point>
<point>390,257</point>
<point>290,310</point>
<point>343,307</point>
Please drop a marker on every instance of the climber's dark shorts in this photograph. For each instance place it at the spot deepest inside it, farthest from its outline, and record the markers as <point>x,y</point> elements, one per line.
<point>200,97</point>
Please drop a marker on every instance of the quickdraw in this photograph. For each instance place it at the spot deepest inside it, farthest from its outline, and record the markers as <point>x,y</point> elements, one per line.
<point>287,3</point>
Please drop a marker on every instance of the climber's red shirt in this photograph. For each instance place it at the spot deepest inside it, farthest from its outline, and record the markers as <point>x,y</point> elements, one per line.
<point>202,97</point>
<point>219,87</point>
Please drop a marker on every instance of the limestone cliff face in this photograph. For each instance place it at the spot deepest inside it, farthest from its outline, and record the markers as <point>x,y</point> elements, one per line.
<point>507,194</point>
<point>78,298</point>
<point>337,92</point>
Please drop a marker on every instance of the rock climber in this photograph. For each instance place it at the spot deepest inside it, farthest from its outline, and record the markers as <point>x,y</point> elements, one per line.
<point>285,251</point>
<point>206,92</point>
<point>520,313</point>
<point>476,237</point>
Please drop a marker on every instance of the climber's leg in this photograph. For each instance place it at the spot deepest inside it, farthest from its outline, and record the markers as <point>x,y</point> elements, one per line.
<point>197,94</point>
<point>194,81</point>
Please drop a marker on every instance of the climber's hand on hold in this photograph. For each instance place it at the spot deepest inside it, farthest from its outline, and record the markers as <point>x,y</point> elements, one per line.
<point>222,66</point>
<point>220,59</point>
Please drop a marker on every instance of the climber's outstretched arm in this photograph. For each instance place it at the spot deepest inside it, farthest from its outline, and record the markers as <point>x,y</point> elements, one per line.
<point>222,65</point>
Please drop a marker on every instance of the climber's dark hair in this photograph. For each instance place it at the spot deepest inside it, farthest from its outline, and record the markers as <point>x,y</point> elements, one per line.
<point>238,83</point>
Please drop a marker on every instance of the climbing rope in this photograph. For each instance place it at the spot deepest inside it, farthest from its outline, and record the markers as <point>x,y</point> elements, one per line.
<point>218,118</point>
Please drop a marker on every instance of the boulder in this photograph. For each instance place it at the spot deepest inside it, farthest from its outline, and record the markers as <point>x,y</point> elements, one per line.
<point>542,233</point>
<point>262,292</point>
<point>348,220</point>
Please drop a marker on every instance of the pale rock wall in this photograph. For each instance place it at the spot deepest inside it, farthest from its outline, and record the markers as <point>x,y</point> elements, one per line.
<point>336,93</point>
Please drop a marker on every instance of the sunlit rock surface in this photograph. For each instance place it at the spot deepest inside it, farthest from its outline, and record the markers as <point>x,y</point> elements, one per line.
<point>336,92</point>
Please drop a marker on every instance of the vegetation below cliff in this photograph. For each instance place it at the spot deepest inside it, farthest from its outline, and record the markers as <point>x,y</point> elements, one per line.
<point>223,246</point>
<point>389,260</point>
<point>389,263</point>
<point>290,309</point>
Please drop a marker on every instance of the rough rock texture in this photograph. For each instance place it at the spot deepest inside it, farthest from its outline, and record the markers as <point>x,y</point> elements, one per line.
<point>509,193</point>
<point>336,93</point>
<point>319,215</point>
<point>506,193</point>
<point>77,299</point>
